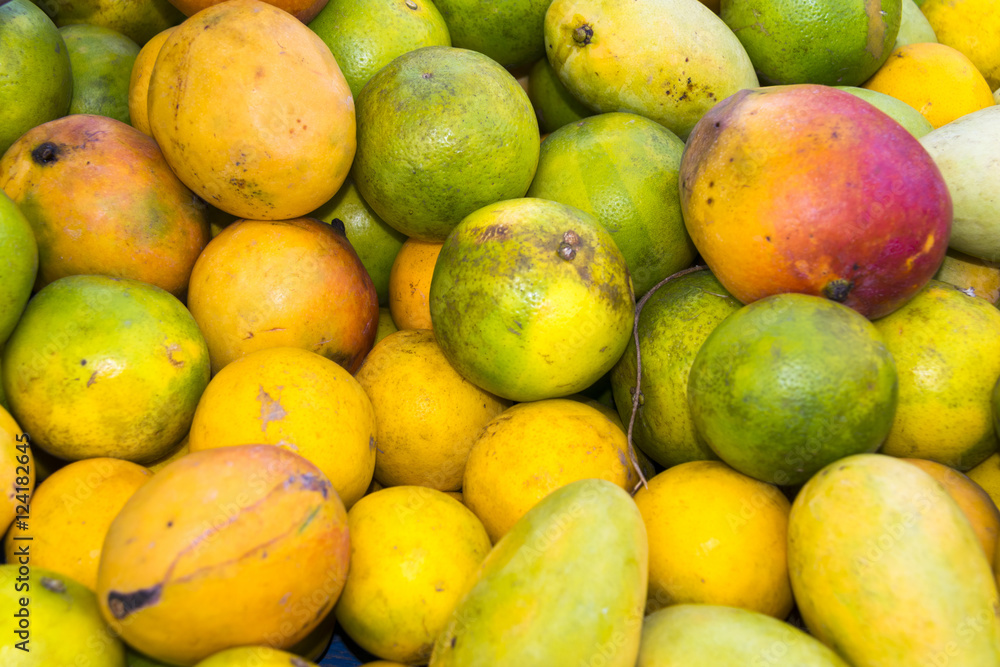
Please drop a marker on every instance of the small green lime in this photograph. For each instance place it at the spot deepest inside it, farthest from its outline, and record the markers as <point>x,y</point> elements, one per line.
<point>509,32</point>
<point>101,60</point>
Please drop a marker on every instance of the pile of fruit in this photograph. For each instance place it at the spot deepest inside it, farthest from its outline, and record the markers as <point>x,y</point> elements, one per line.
<point>522,333</point>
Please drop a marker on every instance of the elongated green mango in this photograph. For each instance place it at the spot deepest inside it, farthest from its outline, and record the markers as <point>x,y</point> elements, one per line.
<point>566,586</point>
<point>704,634</point>
<point>887,571</point>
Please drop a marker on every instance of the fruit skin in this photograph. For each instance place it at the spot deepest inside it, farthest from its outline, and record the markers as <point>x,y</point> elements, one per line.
<point>303,10</point>
<point>295,283</point>
<point>509,32</point>
<point>36,81</point>
<point>102,200</point>
<point>964,150</point>
<point>102,61</point>
<point>886,568</point>
<point>673,325</point>
<point>972,275</point>
<point>251,547</point>
<point>700,634</point>
<point>970,26</point>
<point>531,299</point>
<point>791,383</point>
<point>18,267</point>
<point>542,592</point>
<point>554,105</point>
<point>668,60</point>
<point>64,623</point>
<point>286,114</point>
<point>899,111</point>
<point>138,83</point>
<point>414,553</point>
<point>863,220</point>
<point>913,26</point>
<point>258,656</point>
<point>138,21</point>
<point>366,35</point>
<point>103,366</point>
<point>16,465</point>
<point>485,136</point>
<point>946,345</point>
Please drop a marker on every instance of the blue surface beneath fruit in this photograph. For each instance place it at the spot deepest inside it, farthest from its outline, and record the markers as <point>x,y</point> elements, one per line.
<point>344,653</point>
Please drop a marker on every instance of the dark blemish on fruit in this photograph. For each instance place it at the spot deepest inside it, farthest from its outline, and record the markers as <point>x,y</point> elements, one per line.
<point>837,290</point>
<point>123,604</point>
<point>709,201</point>
<point>583,35</point>
<point>45,153</point>
<point>767,238</point>
<point>412,5</point>
<point>54,585</point>
<point>338,226</point>
<point>83,362</point>
<point>566,251</point>
<point>93,378</point>
<point>427,75</point>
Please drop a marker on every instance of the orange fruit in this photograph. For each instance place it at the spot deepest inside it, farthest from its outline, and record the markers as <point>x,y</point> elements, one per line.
<point>935,79</point>
<point>303,10</point>
<point>71,512</point>
<point>298,400</point>
<point>790,383</point>
<point>138,84</point>
<point>17,467</point>
<point>410,284</point>
<point>976,504</point>
<point>716,537</point>
<point>298,283</point>
<point>427,415</point>
<point>531,299</point>
<point>258,656</point>
<point>572,441</point>
<point>483,147</point>
<point>972,275</point>
<point>810,189</point>
<point>102,200</point>
<point>101,60</point>
<point>103,366</point>
<point>252,111</point>
<point>970,26</point>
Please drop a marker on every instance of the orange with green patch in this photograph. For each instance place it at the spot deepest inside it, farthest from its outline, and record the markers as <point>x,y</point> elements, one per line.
<point>809,189</point>
<point>228,547</point>
<point>101,199</point>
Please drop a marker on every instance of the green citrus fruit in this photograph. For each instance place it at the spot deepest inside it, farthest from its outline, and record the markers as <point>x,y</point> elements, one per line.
<point>947,350</point>
<point>554,104</point>
<point>509,32</point>
<point>531,299</point>
<point>622,169</point>
<point>101,366</point>
<point>376,243</point>
<point>137,20</point>
<point>442,132</point>
<point>366,35</point>
<point>18,264</point>
<point>673,324</point>
<point>385,324</point>
<point>102,61</point>
<point>791,383</point>
<point>832,42</point>
<point>899,111</point>
<point>36,82</point>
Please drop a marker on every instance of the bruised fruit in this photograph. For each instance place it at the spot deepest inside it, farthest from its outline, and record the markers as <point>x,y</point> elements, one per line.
<point>228,547</point>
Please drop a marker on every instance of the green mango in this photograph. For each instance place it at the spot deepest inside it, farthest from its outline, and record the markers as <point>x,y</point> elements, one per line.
<point>704,634</point>
<point>566,586</point>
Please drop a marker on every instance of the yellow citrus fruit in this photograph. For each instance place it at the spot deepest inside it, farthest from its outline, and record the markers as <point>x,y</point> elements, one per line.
<point>367,35</point>
<point>37,81</point>
<point>376,243</point>
<point>935,79</point>
<point>531,299</point>
<point>257,656</point>
<point>504,478</point>
<point>414,553</point>
<point>427,415</point>
<point>138,21</point>
<point>716,536</point>
<point>483,146</point>
<point>946,345</point>
<point>298,400</point>
<point>17,471</point>
<point>102,60</point>
<point>972,275</point>
<point>975,503</point>
<point>410,284</point>
<point>252,111</point>
<point>71,512</point>
<point>832,42</point>
<point>509,32</point>
<point>138,84</point>
<point>554,105</point>
<point>972,27</point>
<point>622,169</point>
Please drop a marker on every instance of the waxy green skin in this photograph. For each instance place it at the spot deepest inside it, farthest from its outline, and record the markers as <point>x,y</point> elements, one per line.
<point>101,366</point>
<point>701,634</point>
<point>138,20</point>
<point>509,32</point>
<point>18,264</point>
<point>102,60</point>
<point>887,570</point>
<point>518,319</point>
<point>567,584</point>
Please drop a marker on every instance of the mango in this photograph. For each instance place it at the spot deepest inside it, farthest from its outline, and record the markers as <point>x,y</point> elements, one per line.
<point>703,634</point>
<point>258,656</point>
<point>887,570</point>
<point>967,152</point>
<point>235,546</point>
<point>566,586</point>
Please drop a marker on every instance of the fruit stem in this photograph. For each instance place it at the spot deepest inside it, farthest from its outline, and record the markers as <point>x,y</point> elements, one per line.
<point>636,395</point>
